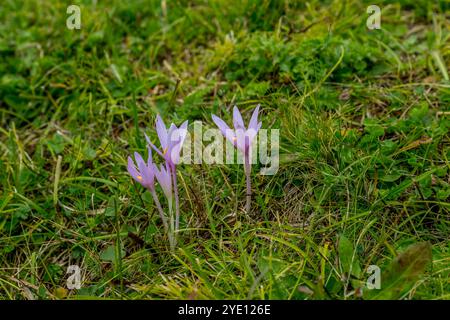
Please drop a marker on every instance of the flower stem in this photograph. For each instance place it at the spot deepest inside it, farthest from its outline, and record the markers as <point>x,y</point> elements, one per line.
<point>172,235</point>
<point>247,169</point>
<point>160,210</point>
<point>177,204</point>
<point>167,228</point>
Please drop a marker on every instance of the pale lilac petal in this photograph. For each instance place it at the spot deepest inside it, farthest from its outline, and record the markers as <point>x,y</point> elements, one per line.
<point>155,148</point>
<point>221,124</point>
<point>183,131</point>
<point>162,132</point>
<point>231,136</point>
<point>146,178</point>
<point>168,180</point>
<point>176,142</point>
<point>158,175</point>
<point>238,122</point>
<point>225,129</point>
<point>172,136</point>
<point>174,152</point>
<point>159,178</point>
<point>132,170</point>
<point>140,162</point>
<point>241,139</point>
<point>254,119</point>
<point>150,174</point>
<point>251,134</point>
<point>164,179</point>
<point>172,140</point>
<point>172,128</point>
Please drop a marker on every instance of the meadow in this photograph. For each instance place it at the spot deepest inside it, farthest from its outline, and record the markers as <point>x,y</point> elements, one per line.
<point>364,171</point>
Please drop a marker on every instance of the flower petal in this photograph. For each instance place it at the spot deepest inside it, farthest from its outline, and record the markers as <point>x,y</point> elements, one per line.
<point>161,131</point>
<point>221,124</point>
<point>241,139</point>
<point>150,158</point>
<point>238,122</point>
<point>173,155</point>
<point>154,147</point>
<point>251,134</point>
<point>231,136</point>
<point>177,137</point>
<point>183,129</point>
<point>252,131</point>
<point>143,170</point>
<point>172,128</point>
<point>164,179</point>
<point>254,119</point>
<point>132,169</point>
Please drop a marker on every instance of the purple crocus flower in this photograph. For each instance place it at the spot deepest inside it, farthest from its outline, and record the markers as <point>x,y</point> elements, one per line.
<point>163,175</point>
<point>242,138</point>
<point>171,141</point>
<point>145,174</point>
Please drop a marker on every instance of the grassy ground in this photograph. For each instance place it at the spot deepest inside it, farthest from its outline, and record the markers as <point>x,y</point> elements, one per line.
<point>364,173</point>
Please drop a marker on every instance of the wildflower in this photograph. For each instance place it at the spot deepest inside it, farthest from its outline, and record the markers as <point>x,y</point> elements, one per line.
<point>171,141</point>
<point>163,175</point>
<point>145,175</point>
<point>242,139</point>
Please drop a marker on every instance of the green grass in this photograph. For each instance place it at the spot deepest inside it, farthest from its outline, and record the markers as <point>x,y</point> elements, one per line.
<point>364,157</point>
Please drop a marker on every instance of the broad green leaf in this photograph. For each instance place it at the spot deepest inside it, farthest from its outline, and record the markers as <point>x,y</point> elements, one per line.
<point>348,258</point>
<point>109,254</point>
